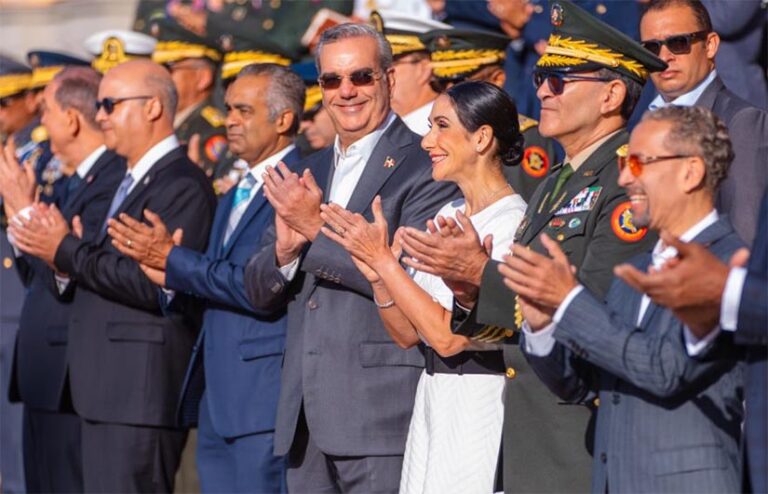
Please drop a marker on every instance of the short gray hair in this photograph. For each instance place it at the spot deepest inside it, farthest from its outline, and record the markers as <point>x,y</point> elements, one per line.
<point>165,90</point>
<point>286,90</point>
<point>699,132</point>
<point>349,30</point>
<point>78,89</point>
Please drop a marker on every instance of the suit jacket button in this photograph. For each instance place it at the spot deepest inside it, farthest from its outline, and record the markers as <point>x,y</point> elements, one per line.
<point>7,263</point>
<point>511,373</point>
<point>616,398</point>
<point>312,305</point>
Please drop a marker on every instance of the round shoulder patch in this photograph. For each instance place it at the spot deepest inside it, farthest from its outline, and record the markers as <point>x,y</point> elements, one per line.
<point>215,147</point>
<point>621,223</point>
<point>535,161</point>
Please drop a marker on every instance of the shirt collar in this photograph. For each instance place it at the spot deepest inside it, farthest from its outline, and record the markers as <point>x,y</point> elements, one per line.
<point>688,99</point>
<point>363,147</point>
<point>258,170</point>
<point>85,166</point>
<point>581,157</point>
<point>152,156</point>
<point>661,253</point>
<point>183,114</point>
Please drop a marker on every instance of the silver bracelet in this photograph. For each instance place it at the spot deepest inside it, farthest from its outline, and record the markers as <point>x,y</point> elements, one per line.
<point>386,305</point>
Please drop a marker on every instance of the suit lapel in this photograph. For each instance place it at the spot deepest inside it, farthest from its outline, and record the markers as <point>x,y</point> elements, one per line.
<point>389,153</point>
<point>258,202</point>
<point>708,97</point>
<point>102,162</point>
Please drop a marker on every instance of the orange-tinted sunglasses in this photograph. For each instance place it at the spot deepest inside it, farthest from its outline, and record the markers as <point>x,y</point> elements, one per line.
<point>636,163</point>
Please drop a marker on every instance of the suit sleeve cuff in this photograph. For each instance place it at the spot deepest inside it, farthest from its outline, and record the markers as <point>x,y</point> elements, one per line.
<point>560,312</point>
<point>729,311</point>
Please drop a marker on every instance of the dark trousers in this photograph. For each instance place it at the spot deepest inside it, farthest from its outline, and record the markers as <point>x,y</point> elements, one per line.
<point>312,471</point>
<point>244,464</point>
<point>130,458</point>
<point>52,452</point>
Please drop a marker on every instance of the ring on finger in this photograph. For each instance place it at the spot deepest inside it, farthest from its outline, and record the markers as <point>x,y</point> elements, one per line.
<point>128,243</point>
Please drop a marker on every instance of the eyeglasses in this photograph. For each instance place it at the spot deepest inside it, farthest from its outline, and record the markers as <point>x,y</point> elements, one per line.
<point>636,163</point>
<point>679,44</point>
<point>556,80</point>
<point>362,77</point>
<point>109,103</point>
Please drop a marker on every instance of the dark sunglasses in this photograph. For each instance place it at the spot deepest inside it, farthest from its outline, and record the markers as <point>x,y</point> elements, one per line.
<point>556,80</point>
<point>679,44</point>
<point>362,77</point>
<point>109,104</point>
<point>636,163</point>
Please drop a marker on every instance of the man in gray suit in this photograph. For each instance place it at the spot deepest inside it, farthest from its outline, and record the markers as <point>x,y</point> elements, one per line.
<point>680,33</point>
<point>347,390</point>
<point>665,422</point>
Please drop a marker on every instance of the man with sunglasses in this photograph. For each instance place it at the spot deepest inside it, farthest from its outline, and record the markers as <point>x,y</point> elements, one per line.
<point>666,422</point>
<point>347,389</point>
<point>192,62</point>
<point>126,360</point>
<point>680,33</point>
<point>588,82</point>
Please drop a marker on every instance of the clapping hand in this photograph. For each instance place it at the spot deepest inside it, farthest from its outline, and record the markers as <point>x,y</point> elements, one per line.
<point>296,199</point>
<point>18,186</point>
<point>149,244</point>
<point>41,234</point>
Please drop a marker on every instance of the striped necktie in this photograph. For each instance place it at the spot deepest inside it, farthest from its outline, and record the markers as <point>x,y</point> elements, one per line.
<point>239,203</point>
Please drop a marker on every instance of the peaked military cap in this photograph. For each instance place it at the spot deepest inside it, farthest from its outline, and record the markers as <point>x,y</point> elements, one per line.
<point>307,70</point>
<point>46,64</point>
<point>241,51</point>
<point>458,53</point>
<point>174,43</point>
<point>403,30</point>
<point>580,42</point>
<point>113,47</point>
<point>15,77</point>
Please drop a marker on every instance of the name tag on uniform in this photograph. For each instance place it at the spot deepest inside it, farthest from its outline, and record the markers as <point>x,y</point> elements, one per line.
<point>585,200</point>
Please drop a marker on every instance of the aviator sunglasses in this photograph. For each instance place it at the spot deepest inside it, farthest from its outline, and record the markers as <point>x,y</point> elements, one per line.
<point>679,44</point>
<point>362,77</point>
<point>636,163</point>
<point>109,104</point>
<point>556,80</point>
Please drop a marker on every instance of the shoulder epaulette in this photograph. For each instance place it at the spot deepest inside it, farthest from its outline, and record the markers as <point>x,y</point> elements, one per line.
<point>213,116</point>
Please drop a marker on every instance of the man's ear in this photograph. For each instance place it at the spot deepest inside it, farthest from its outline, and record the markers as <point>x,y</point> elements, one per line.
<point>154,109</point>
<point>615,93</point>
<point>74,121</point>
<point>285,121</point>
<point>712,44</point>
<point>694,174</point>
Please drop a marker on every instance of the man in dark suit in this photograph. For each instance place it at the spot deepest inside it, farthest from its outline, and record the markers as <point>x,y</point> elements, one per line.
<point>126,361</point>
<point>51,429</point>
<point>587,101</point>
<point>238,354</point>
<point>666,422</point>
<point>347,390</point>
<point>711,296</point>
<point>680,32</point>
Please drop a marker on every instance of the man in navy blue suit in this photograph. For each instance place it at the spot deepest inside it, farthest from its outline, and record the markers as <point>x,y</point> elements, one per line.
<point>52,460</point>
<point>235,391</point>
<point>710,297</point>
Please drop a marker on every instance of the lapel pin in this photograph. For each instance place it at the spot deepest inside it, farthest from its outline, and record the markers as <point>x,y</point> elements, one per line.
<point>146,180</point>
<point>389,162</point>
<point>588,173</point>
<point>89,179</point>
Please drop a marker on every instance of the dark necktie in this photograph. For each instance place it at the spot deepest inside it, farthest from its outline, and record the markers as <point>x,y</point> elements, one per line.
<point>565,173</point>
<point>122,192</point>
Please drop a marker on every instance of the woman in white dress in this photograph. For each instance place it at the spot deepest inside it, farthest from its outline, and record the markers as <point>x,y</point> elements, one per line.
<point>455,431</point>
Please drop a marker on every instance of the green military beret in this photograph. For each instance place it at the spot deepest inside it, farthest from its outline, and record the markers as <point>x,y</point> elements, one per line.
<point>580,42</point>
<point>457,53</point>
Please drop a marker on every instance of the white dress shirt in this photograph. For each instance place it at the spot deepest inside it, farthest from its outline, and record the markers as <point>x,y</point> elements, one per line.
<point>540,343</point>
<point>688,99</point>
<point>418,119</point>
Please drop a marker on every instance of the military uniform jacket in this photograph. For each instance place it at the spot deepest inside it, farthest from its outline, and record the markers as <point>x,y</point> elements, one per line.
<point>591,222</point>
<point>536,163</point>
<point>208,122</point>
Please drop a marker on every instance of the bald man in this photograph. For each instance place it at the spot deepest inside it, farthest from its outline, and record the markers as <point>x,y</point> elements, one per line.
<point>126,361</point>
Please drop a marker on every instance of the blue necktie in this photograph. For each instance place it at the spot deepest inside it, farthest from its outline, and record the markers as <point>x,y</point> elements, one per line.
<point>122,192</point>
<point>239,203</point>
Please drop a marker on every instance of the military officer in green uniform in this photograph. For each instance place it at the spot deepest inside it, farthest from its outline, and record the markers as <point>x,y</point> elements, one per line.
<point>193,63</point>
<point>463,55</point>
<point>589,81</point>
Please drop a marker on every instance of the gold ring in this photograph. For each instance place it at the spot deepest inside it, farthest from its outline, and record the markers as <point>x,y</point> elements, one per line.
<point>128,243</point>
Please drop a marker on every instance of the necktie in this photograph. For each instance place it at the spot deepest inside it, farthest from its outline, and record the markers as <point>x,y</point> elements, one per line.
<point>73,182</point>
<point>122,192</point>
<point>565,173</point>
<point>239,203</point>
